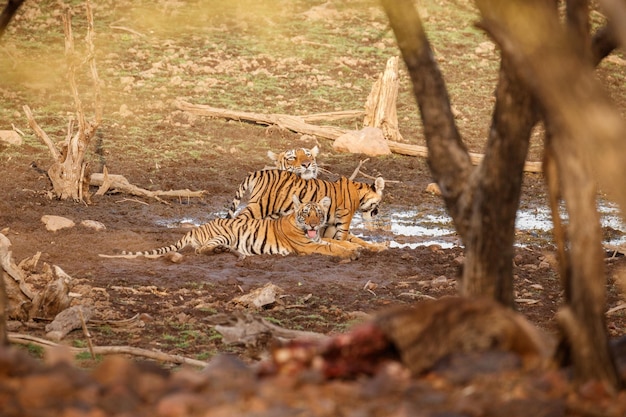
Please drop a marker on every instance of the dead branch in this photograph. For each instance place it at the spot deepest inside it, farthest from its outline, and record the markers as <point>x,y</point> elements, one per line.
<point>120,323</point>
<point>331,116</point>
<point>68,169</point>
<point>56,155</point>
<point>69,319</point>
<point>24,339</point>
<point>284,121</point>
<point>298,124</point>
<point>248,330</point>
<point>119,183</point>
<point>358,168</point>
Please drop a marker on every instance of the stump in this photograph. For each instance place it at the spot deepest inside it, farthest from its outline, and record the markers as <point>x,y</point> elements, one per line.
<point>380,107</point>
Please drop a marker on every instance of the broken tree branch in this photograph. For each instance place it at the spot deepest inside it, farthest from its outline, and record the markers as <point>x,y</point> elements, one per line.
<point>121,184</point>
<point>298,124</point>
<point>24,339</point>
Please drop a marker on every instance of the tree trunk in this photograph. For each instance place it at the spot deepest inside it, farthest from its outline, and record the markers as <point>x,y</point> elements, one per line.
<point>69,173</point>
<point>583,127</point>
<point>583,319</point>
<point>4,339</point>
<point>483,202</point>
<point>380,106</point>
<point>488,269</point>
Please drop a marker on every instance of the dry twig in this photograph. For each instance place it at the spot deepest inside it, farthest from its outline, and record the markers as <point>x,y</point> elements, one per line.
<point>24,339</point>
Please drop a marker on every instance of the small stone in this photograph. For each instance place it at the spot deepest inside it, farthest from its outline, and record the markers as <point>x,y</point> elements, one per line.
<point>54,223</point>
<point>433,189</point>
<point>11,137</point>
<point>440,280</point>
<point>93,224</point>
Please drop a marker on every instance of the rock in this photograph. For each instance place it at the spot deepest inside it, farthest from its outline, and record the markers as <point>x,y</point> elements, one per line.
<point>261,297</point>
<point>54,223</point>
<point>433,188</point>
<point>485,48</point>
<point>93,224</point>
<point>440,280</point>
<point>11,137</point>
<point>369,141</point>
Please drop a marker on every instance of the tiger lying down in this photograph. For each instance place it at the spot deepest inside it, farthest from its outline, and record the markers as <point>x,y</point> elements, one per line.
<point>298,232</point>
<point>300,161</point>
<point>270,191</point>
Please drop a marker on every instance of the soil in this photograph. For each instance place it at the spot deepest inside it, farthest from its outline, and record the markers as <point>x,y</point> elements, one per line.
<point>176,305</point>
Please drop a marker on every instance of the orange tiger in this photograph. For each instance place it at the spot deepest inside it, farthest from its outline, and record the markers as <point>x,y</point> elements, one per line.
<point>300,161</point>
<point>270,193</point>
<point>298,232</point>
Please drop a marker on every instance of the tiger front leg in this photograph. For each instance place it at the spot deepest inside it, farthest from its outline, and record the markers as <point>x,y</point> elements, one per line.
<point>343,248</point>
<point>374,247</point>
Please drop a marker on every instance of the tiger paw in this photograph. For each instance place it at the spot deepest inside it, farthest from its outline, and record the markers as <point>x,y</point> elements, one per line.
<point>355,254</point>
<point>378,247</point>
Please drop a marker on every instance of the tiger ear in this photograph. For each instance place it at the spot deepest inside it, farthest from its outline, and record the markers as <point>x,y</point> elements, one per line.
<point>314,151</point>
<point>325,203</point>
<point>296,202</point>
<point>379,185</point>
<point>272,155</point>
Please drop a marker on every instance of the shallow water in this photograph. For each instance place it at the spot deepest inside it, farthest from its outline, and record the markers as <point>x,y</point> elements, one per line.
<point>412,228</point>
<point>432,225</point>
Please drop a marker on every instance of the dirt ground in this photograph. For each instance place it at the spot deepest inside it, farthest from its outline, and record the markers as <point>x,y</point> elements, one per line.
<point>179,303</point>
<point>173,307</point>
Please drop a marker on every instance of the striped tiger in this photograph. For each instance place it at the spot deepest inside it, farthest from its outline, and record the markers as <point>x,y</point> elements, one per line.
<point>300,161</point>
<point>298,232</point>
<point>269,197</point>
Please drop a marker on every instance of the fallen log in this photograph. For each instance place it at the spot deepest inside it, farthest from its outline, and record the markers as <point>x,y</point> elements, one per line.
<point>285,121</point>
<point>119,183</point>
<point>298,124</point>
<point>67,320</point>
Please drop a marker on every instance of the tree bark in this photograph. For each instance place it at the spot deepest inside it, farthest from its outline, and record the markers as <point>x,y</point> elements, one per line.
<point>448,158</point>
<point>4,304</point>
<point>488,268</point>
<point>380,106</point>
<point>584,127</point>
<point>9,10</point>
<point>483,202</point>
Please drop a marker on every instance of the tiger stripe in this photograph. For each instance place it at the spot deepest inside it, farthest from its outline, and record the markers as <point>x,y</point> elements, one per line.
<point>270,193</point>
<point>298,232</point>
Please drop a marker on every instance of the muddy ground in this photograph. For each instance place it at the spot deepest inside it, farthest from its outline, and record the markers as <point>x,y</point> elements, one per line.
<point>172,307</point>
<point>177,304</point>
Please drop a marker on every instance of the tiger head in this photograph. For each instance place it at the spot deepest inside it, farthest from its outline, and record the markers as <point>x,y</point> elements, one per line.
<point>311,217</point>
<point>300,161</point>
<point>370,198</point>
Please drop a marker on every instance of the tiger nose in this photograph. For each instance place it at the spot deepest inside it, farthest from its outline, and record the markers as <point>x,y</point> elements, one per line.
<point>306,164</point>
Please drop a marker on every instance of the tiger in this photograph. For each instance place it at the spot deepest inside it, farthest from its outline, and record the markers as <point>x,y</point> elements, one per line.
<point>298,232</point>
<point>300,161</point>
<point>269,193</point>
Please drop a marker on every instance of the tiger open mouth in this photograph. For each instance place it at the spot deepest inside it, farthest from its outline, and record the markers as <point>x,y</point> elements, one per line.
<point>311,234</point>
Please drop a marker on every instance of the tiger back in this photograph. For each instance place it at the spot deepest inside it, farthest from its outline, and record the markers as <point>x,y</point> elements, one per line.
<point>270,193</point>
<point>298,232</point>
<point>300,161</point>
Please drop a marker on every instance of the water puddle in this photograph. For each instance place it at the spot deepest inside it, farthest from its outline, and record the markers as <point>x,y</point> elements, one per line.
<point>432,225</point>
<point>412,228</point>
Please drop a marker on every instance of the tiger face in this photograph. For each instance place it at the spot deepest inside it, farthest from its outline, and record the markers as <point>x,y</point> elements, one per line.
<point>300,161</point>
<point>311,217</point>
<point>371,199</point>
